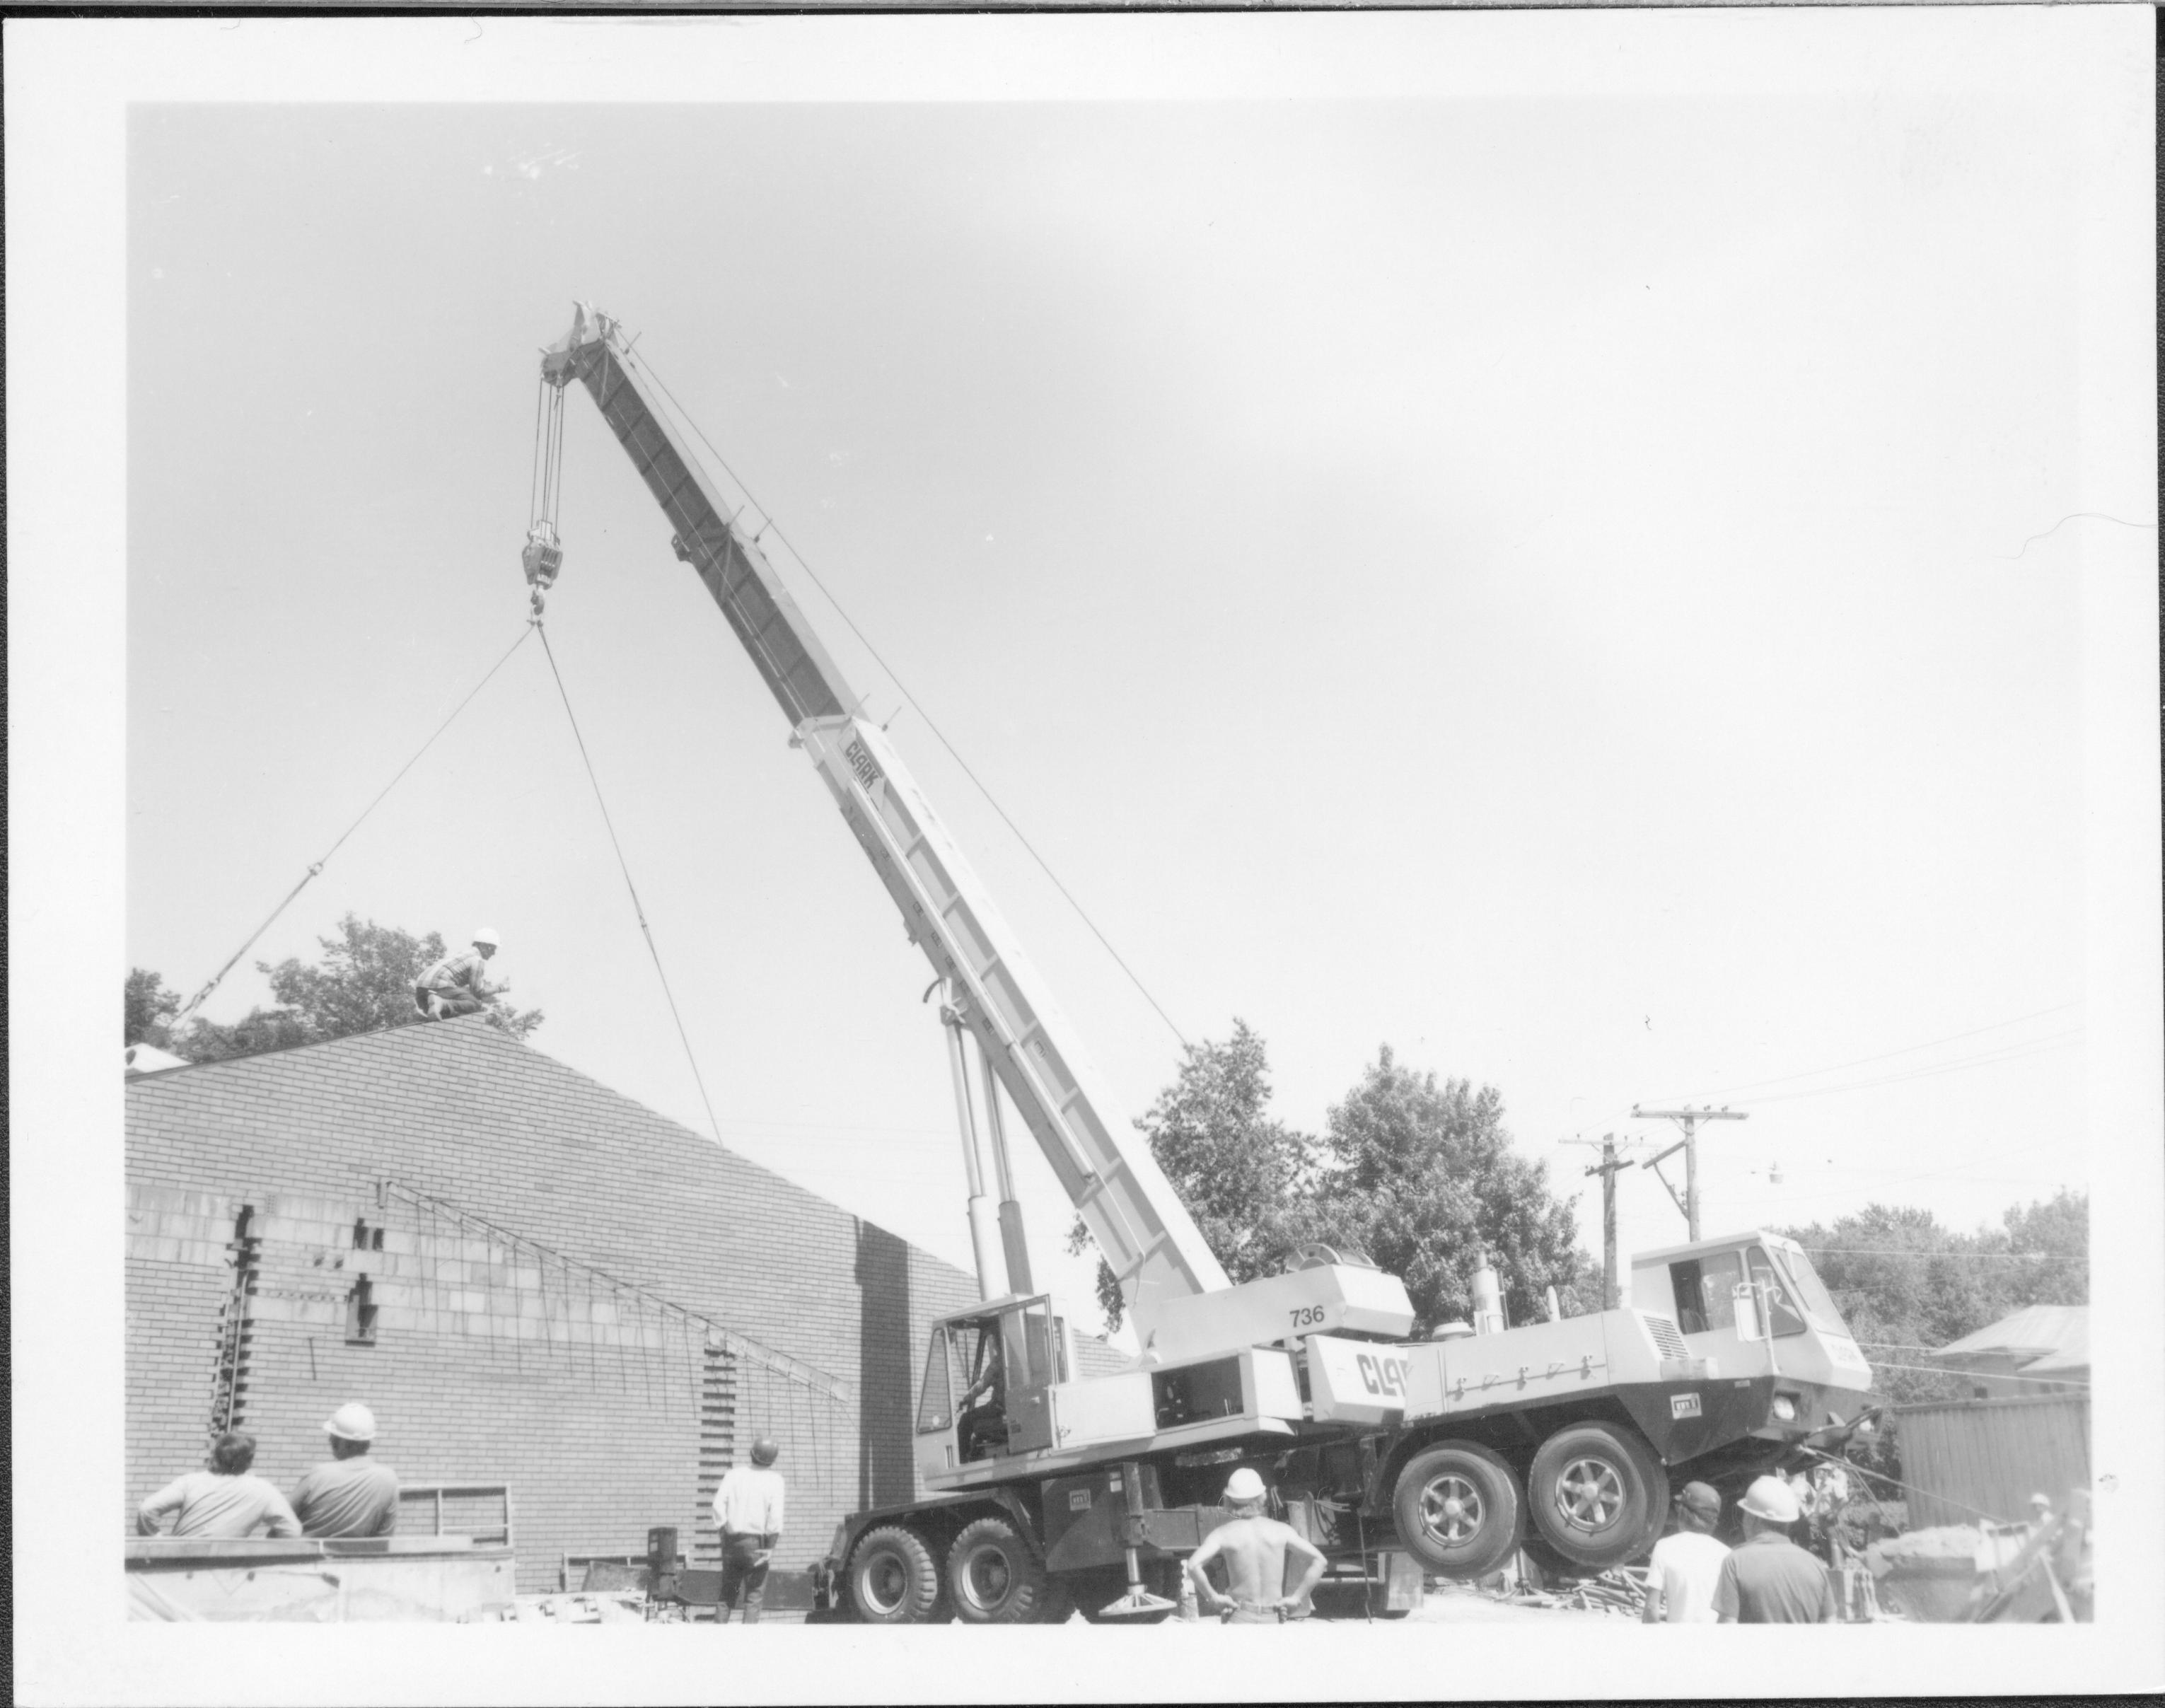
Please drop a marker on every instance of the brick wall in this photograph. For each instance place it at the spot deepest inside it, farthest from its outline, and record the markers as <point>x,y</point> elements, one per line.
<point>467,1380</point>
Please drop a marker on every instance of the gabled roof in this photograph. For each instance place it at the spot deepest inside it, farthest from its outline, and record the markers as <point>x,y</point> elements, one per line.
<point>2070,1358</point>
<point>2042,1331</point>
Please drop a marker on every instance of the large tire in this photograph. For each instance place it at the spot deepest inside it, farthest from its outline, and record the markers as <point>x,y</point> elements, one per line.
<point>995,1577</point>
<point>1458,1510</point>
<point>1597,1494</point>
<point>893,1578</point>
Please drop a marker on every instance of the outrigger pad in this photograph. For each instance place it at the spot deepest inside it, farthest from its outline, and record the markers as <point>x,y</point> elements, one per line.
<point>1135,1602</point>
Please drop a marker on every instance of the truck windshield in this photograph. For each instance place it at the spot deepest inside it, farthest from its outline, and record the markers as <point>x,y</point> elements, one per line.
<point>1809,1291</point>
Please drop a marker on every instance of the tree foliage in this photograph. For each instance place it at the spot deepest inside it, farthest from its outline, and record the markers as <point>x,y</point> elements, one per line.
<point>364,982</point>
<point>1906,1285</point>
<point>1424,1177</point>
<point>150,1008</point>
<point>1417,1175</point>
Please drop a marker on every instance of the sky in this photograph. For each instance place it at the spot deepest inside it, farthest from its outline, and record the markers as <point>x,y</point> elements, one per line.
<point>1444,530</point>
<point>1550,588</point>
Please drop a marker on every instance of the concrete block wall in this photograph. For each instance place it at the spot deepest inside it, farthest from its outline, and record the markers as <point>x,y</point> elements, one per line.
<point>466,1115</point>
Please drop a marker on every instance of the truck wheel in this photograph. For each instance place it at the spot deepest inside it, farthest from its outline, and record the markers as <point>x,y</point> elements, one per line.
<point>1457,1510</point>
<point>1597,1494</point>
<point>893,1580</point>
<point>992,1576</point>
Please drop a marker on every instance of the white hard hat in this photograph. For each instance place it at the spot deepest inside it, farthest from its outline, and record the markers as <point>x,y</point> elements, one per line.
<point>486,935</point>
<point>1244,1484</point>
<point>352,1421</point>
<point>2040,1499</point>
<point>1773,1499</point>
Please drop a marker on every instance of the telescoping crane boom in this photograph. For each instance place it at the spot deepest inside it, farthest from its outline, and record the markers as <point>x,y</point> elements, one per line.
<point>1559,1437</point>
<point>1164,1267</point>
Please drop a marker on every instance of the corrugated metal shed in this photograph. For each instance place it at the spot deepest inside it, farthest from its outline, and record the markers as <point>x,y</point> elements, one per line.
<point>1976,1459</point>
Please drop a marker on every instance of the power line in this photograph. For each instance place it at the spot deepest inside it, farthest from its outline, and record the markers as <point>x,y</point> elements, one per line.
<point>307,876</point>
<point>1975,1375</point>
<point>623,866</point>
<point>773,527</point>
<point>2012,1053</point>
<point>1906,1049</point>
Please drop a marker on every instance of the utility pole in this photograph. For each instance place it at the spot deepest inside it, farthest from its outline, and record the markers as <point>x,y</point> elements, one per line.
<point>1612,1290</point>
<point>1688,1119</point>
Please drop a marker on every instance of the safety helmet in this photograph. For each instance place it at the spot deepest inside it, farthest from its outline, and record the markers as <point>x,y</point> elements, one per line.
<point>1773,1499</point>
<point>1244,1484</point>
<point>764,1451</point>
<point>486,935</point>
<point>352,1421</point>
<point>1701,1498</point>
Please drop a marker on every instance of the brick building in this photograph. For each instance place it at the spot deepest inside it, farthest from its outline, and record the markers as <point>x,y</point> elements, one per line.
<point>535,1282</point>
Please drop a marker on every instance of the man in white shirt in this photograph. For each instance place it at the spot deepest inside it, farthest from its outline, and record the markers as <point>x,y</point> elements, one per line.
<point>222,1501</point>
<point>748,1508</point>
<point>1687,1565</point>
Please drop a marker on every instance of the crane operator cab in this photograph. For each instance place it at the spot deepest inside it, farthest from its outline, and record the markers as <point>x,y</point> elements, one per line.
<point>1752,1305</point>
<point>989,1376</point>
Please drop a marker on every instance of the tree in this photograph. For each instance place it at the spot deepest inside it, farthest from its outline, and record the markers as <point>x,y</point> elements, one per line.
<point>363,983</point>
<point>1419,1176</point>
<point>1236,1167</point>
<point>1905,1286</point>
<point>1424,1178</point>
<point>150,1008</point>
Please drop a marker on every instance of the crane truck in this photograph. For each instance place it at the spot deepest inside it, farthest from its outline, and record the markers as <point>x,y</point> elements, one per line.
<point>1047,1487</point>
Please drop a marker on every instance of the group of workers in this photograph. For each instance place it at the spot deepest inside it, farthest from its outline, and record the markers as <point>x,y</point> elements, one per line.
<point>1768,1579</point>
<point>1695,1579</point>
<point>348,1494</point>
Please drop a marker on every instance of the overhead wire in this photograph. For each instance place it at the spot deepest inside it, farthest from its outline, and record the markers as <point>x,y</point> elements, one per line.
<point>1751,1086</point>
<point>307,877</point>
<point>624,866</point>
<point>770,526</point>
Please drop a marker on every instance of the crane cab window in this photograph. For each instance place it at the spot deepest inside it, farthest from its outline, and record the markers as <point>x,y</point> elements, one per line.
<point>935,1402</point>
<point>1033,1346</point>
<point>1705,1288</point>
<point>1784,1316</point>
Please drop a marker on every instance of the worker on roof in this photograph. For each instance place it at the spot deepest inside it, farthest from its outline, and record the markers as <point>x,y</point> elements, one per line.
<point>456,985</point>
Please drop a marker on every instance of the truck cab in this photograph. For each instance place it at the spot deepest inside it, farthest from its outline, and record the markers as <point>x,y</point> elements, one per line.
<point>1752,1306</point>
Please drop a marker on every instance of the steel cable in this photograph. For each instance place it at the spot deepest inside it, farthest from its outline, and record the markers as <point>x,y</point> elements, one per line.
<point>197,1000</point>
<point>630,889</point>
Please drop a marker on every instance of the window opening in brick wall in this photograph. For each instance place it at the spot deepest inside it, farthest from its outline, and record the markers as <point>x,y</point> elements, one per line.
<point>359,1315</point>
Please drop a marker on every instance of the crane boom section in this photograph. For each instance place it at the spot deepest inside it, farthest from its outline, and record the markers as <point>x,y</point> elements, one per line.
<point>783,647</point>
<point>1130,1209</point>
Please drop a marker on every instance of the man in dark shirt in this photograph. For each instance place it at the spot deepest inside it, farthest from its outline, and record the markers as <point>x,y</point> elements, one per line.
<point>1770,1580</point>
<point>352,1495</point>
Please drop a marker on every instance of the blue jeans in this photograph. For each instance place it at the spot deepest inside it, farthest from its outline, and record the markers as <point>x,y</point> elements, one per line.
<point>742,1571</point>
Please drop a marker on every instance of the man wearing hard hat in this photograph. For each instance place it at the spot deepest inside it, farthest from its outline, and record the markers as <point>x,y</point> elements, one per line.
<point>1254,1548</point>
<point>350,1494</point>
<point>1770,1580</point>
<point>748,1509</point>
<point>456,985</point>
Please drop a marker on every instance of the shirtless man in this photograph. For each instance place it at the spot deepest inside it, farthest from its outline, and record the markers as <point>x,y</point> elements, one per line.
<point>1254,1548</point>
